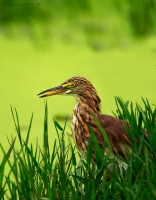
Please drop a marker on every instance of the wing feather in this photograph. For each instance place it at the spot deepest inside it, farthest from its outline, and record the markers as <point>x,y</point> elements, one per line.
<point>116,130</point>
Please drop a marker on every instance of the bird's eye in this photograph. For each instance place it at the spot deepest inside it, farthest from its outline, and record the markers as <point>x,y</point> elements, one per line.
<point>72,84</point>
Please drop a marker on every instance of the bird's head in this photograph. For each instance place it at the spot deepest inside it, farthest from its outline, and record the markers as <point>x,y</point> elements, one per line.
<point>75,86</point>
<point>78,87</point>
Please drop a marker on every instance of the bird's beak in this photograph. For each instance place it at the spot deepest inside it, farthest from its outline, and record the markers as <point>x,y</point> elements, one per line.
<point>52,91</point>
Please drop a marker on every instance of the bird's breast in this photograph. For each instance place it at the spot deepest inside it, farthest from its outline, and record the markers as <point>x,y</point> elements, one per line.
<point>76,129</point>
<point>80,129</point>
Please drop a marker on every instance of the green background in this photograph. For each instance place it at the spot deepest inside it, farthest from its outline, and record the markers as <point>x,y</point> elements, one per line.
<point>44,44</point>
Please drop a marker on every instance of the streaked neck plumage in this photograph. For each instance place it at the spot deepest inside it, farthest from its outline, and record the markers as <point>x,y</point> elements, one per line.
<point>87,104</point>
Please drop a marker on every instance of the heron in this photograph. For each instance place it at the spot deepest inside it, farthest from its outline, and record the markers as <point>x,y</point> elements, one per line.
<point>88,108</point>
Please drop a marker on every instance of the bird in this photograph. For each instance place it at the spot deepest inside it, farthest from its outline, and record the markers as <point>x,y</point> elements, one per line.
<point>86,110</point>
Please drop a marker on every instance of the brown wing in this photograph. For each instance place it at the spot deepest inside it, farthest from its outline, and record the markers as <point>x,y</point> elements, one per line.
<point>115,129</point>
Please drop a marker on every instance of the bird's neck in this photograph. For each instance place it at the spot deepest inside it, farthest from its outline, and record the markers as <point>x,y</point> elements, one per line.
<point>89,103</point>
<point>86,106</point>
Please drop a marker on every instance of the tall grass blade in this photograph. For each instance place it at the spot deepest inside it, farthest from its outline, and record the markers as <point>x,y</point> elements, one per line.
<point>28,132</point>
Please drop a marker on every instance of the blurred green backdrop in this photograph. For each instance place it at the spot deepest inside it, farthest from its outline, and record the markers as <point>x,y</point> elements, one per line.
<point>43,43</point>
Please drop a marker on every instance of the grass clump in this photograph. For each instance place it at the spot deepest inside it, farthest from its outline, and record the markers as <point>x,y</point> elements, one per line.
<point>59,173</point>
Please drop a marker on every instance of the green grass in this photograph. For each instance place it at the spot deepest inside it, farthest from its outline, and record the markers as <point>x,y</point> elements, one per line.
<point>56,172</point>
